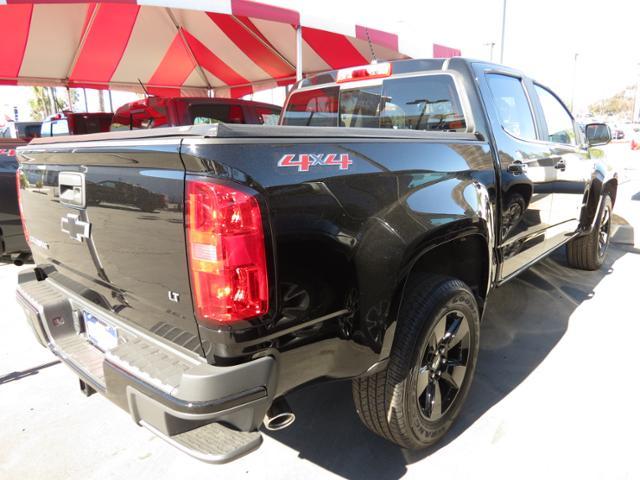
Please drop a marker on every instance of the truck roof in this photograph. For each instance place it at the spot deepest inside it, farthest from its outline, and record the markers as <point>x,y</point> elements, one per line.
<point>402,67</point>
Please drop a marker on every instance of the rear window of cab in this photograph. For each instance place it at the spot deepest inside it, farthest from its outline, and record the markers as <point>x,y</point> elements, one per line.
<point>428,102</point>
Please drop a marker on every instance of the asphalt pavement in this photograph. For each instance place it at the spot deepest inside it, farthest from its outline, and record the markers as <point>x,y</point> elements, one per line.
<point>555,394</point>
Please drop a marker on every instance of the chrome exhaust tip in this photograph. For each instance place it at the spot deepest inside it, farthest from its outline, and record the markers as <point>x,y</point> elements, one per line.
<point>279,415</point>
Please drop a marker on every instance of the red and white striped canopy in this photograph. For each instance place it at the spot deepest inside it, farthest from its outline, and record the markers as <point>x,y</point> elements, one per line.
<point>174,47</point>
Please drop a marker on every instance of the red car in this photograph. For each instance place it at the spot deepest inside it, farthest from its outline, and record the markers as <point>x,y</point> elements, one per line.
<point>154,112</point>
<point>69,123</point>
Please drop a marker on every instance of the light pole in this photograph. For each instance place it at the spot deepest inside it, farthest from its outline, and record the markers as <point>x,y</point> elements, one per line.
<point>299,69</point>
<point>504,27</point>
<point>575,77</point>
<point>490,45</point>
<point>635,115</point>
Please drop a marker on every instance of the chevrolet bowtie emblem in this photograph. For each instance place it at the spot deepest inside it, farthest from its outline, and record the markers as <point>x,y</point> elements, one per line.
<point>76,228</point>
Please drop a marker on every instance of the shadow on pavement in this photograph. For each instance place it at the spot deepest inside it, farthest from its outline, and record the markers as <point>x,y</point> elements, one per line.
<point>13,376</point>
<point>524,321</point>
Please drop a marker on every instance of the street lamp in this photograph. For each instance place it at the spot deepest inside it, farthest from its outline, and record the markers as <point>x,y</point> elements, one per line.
<point>490,45</point>
<point>635,115</point>
<point>504,26</point>
<point>575,76</point>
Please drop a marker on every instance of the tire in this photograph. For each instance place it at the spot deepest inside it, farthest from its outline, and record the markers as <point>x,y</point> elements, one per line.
<point>589,251</point>
<point>147,208</point>
<point>388,402</point>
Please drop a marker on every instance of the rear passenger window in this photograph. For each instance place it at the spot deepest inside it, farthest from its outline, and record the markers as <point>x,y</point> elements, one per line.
<point>559,122</point>
<point>421,103</point>
<point>428,102</point>
<point>360,108</point>
<point>513,106</point>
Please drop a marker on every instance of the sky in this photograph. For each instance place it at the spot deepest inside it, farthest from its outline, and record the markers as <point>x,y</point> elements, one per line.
<point>542,39</point>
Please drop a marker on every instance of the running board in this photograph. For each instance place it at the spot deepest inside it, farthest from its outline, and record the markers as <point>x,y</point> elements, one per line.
<point>212,443</point>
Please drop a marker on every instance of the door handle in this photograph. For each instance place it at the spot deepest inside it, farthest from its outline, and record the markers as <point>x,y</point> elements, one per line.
<point>561,165</point>
<point>71,187</point>
<point>517,167</point>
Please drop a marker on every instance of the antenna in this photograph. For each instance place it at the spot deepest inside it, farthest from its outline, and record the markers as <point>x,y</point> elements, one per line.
<point>374,59</point>
<point>143,88</point>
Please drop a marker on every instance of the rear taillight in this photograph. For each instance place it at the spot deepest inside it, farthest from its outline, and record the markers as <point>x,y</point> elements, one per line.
<point>18,188</point>
<point>226,253</point>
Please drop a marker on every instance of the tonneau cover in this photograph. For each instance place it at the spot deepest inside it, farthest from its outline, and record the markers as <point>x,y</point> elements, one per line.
<point>253,131</point>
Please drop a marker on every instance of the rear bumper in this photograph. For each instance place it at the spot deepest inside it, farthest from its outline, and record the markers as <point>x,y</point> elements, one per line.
<point>170,391</point>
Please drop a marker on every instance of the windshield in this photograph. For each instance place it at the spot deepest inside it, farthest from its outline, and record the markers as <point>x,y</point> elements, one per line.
<point>428,102</point>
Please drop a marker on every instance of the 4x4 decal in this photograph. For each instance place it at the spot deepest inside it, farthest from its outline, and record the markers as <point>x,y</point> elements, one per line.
<point>304,161</point>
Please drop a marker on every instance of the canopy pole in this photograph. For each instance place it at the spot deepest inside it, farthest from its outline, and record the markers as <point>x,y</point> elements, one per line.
<point>298,53</point>
<point>83,40</point>
<point>199,69</point>
<point>69,99</point>
<point>52,101</point>
<point>86,103</point>
<point>504,28</point>
<point>110,101</point>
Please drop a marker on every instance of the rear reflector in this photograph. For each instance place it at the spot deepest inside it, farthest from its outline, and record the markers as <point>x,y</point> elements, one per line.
<point>366,72</point>
<point>18,185</point>
<point>226,253</point>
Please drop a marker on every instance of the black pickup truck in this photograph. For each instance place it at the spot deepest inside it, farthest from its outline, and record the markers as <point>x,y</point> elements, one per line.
<point>360,240</point>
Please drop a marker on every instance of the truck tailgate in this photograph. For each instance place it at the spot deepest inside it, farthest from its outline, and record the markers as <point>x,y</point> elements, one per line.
<point>107,222</point>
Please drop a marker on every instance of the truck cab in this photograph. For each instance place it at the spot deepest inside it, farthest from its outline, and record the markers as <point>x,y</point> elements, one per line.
<point>548,181</point>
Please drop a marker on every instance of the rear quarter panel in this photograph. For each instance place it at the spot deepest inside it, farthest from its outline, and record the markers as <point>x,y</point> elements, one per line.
<point>344,239</point>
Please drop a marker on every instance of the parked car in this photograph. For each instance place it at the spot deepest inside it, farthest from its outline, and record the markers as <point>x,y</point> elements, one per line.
<point>154,112</point>
<point>69,123</point>
<point>289,254</point>
<point>23,130</point>
<point>12,240</point>
<point>617,133</point>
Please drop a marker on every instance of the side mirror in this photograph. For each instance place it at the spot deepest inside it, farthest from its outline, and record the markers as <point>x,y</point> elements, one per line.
<point>597,134</point>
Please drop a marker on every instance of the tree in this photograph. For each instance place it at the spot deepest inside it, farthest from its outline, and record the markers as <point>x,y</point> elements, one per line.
<point>40,102</point>
<point>620,104</point>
